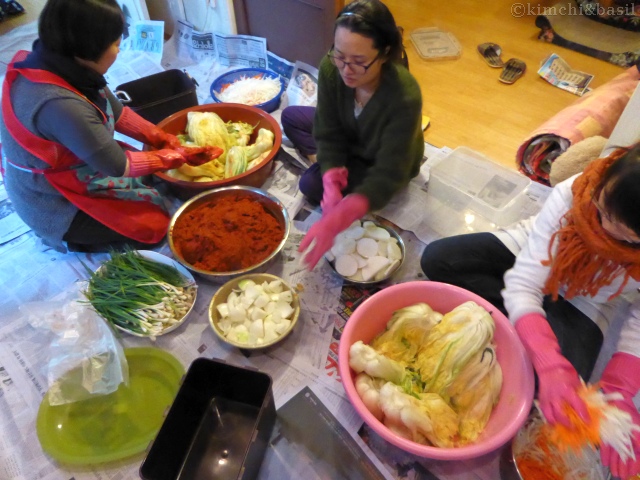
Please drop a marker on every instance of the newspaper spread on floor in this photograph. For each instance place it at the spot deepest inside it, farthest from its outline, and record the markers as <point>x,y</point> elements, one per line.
<point>558,73</point>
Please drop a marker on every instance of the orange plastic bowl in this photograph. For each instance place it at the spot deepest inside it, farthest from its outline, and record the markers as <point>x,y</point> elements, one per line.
<point>516,397</point>
<point>177,123</point>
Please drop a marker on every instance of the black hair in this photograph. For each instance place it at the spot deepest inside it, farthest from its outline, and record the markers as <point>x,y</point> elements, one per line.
<point>80,28</point>
<point>372,19</point>
<point>622,194</point>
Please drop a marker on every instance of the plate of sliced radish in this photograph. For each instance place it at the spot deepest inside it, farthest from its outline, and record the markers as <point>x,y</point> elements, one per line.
<point>254,311</point>
<point>367,252</point>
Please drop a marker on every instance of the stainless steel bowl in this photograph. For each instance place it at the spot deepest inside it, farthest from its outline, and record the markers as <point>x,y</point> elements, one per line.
<point>269,202</point>
<point>393,234</point>
<point>508,467</point>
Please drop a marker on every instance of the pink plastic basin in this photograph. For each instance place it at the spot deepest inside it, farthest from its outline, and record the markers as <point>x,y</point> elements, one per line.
<point>516,397</point>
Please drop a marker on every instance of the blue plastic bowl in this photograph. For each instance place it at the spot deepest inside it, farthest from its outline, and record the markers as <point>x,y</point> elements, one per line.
<point>232,76</point>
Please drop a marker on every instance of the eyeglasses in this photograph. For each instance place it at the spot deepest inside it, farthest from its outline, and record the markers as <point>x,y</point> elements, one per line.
<point>356,68</point>
<point>614,227</point>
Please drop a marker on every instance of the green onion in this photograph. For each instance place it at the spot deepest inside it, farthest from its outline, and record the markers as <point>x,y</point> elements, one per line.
<point>139,294</point>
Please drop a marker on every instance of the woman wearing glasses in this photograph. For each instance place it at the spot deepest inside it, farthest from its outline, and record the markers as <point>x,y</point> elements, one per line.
<point>367,132</point>
<point>560,277</point>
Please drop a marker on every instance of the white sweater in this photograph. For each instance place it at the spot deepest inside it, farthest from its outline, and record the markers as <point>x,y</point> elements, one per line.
<point>529,241</point>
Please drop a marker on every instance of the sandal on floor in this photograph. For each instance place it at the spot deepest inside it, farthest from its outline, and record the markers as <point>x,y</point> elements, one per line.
<point>512,71</point>
<point>491,53</point>
<point>11,7</point>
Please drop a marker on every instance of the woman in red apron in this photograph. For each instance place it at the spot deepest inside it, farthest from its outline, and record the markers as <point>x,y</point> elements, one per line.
<point>66,176</point>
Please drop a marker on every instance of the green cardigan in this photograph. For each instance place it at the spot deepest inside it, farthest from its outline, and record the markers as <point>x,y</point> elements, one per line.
<point>385,142</point>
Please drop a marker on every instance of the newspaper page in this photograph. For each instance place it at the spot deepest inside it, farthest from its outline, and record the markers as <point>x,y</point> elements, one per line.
<point>558,73</point>
<point>241,50</point>
<point>303,87</point>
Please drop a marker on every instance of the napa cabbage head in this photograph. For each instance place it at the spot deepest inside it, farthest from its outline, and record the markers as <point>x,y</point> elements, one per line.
<point>208,129</point>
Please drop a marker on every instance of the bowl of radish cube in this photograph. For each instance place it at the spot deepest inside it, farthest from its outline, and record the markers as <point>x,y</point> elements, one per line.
<point>367,252</point>
<point>254,311</point>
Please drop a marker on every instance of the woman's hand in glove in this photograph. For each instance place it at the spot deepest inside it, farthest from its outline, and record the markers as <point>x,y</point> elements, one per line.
<point>621,376</point>
<point>196,156</point>
<point>324,231</point>
<point>334,181</point>
<point>558,381</point>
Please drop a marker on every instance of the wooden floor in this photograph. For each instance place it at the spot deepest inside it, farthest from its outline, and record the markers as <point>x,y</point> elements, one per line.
<point>467,104</point>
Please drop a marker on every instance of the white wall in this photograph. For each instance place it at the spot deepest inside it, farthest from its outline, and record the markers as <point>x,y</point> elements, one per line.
<point>204,15</point>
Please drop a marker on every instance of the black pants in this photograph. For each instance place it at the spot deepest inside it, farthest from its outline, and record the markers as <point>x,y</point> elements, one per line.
<point>86,234</point>
<point>478,262</point>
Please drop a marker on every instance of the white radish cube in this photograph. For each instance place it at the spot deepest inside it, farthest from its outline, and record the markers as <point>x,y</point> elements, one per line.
<point>367,247</point>
<point>330,256</point>
<point>283,326</point>
<point>369,224</point>
<point>346,265</point>
<point>262,300</point>
<point>223,309</point>
<point>375,264</point>
<point>257,329</point>
<point>257,314</point>
<point>284,309</point>
<point>275,286</point>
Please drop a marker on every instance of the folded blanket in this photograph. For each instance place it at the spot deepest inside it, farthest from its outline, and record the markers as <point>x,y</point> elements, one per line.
<point>596,113</point>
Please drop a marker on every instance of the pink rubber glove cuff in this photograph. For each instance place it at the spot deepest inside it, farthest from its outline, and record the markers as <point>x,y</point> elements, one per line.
<point>323,232</point>
<point>334,181</point>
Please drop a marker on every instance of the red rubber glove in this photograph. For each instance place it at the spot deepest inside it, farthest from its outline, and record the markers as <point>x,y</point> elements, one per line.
<point>144,163</point>
<point>324,231</point>
<point>334,181</point>
<point>133,125</point>
<point>558,381</point>
<point>622,375</point>
<point>195,156</point>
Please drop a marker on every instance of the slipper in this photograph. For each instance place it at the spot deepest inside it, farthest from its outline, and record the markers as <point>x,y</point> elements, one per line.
<point>491,53</point>
<point>512,71</point>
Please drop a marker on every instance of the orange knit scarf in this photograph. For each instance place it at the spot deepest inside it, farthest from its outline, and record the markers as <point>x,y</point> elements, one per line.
<point>587,258</point>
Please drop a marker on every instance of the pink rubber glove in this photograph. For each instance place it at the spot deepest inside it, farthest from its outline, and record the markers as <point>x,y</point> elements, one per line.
<point>558,381</point>
<point>324,231</point>
<point>133,125</point>
<point>334,181</point>
<point>622,375</point>
<point>144,163</point>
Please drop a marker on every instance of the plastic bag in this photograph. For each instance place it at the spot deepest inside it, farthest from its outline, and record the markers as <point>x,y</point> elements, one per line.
<point>85,358</point>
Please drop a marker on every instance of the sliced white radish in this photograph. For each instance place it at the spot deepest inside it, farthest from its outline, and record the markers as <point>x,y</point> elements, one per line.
<point>374,265</point>
<point>382,248</point>
<point>384,273</point>
<point>354,232</point>
<point>359,259</point>
<point>378,233</point>
<point>346,265</point>
<point>330,256</point>
<point>369,224</point>
<point>367,247</point>
<point>393,251</point>
<point>357,277</point>
<point>344,246</point>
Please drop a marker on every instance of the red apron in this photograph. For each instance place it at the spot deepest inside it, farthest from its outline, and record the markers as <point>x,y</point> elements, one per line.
<point>139,219</point>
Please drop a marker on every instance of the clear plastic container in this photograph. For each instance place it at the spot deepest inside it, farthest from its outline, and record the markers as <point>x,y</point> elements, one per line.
<point>468,179</point>
<point>435,44</point>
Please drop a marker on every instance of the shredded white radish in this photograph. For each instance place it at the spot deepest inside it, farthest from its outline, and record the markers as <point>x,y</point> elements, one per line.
<point>250,90</point>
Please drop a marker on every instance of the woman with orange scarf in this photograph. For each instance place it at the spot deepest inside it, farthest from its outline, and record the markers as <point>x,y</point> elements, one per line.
<point>560,277</point>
